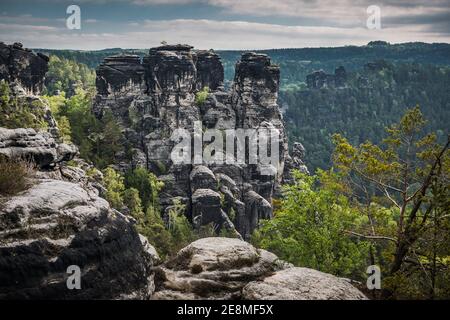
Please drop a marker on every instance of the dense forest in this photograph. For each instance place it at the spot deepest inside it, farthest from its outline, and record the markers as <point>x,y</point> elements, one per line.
<point>370,100</point>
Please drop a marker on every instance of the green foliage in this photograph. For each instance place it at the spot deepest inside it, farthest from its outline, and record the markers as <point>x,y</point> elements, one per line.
<point>407,179</point>
<point>153,227</point>
<point>133,202</point>
<point>115,187</point>
<point>20,113</point>
<point>201,96</point>
<point>180,229</point>
<point>362,109</point>
<point>66,76</point>
<point>99,140</point>
<point>309,230</point>
<point>147,185</point>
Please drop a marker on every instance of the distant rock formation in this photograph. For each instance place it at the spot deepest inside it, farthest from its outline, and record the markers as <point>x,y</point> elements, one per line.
<point>320,79</point>
<point>153,97</point>
<point>224,268</point>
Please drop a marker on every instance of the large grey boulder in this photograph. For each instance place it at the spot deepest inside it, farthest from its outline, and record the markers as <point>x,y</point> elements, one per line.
<point>39,147</point>
<point>202,177</point>
<point>301,284</point>
<point>56,224</point>
<point>224,268</point>
<point>213,268</point>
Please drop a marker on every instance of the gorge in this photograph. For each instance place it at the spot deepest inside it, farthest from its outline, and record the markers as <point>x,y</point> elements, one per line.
<point>61,218</point>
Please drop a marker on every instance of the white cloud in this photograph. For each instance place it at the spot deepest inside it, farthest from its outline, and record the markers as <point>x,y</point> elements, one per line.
<point>205,34</point>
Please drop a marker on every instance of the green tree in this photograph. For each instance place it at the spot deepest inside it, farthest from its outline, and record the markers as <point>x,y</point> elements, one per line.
<point>65,76</point>
<point>309,229</point>
<point>146,183</point>
<point>115,187</point>
<point>401,174</point>
<point>201,96</point>
<point>133,202</point>
<point>20,112</point>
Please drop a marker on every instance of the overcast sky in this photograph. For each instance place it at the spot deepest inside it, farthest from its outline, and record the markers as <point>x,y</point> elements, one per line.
<point>221,24</point>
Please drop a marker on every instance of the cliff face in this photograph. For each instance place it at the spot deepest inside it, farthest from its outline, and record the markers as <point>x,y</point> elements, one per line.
<point>21,66</point>
<point>153,98</point>
<point>61,220</point>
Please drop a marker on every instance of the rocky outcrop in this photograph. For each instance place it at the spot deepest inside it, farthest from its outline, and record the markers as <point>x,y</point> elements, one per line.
<point>56,224</point>
<point>61,221</point>
<point>153,98</point>
<point>38,147</point>
<point>224,268</point>
<point>301,284</point>
<point>320,79</point>
<point>21,66</point>
<point>213,268</point>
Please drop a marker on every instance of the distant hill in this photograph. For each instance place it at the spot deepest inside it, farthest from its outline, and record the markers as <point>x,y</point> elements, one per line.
<point>295,64</point>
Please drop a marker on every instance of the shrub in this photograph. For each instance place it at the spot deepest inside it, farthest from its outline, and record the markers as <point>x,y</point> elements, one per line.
<point>200,97</point>
<point>13,175</point>
<point>114,188</point>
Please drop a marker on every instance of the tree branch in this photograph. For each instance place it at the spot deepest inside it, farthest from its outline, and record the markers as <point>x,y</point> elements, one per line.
<point>374,237</point>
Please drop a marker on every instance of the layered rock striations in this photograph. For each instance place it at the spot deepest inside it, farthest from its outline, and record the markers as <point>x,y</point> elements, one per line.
<point>21,66</point>
<point>153,98</point>
<point>61,221</point>
<point>223,268</point>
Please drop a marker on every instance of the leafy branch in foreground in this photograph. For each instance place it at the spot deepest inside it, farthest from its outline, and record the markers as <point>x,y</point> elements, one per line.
<point>406,173</point>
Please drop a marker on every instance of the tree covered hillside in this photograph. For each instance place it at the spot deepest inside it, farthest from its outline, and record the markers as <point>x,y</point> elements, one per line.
<point>412,74</point>
<point>372,98</point>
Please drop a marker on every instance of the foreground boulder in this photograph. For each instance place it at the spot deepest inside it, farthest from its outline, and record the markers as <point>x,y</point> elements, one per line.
<point>225,268</point>
<point>39,147</point>
<point>213,268</point>
<point>56,224</point>
<point>301,284</point>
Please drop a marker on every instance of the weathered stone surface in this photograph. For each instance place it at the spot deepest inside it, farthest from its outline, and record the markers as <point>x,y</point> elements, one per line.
<point>119,73</point>
<point>150,110</point>
<point>213,268</point>
<point>209,70</point>
<point>301,284</point>
<point>39,147</point>
<point>202,178</point>
<point>224,268</point>
<point>56,224</point>
<point>23,67</point>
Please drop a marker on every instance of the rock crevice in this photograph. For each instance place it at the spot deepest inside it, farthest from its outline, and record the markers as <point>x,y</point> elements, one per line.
<point>153,98</point>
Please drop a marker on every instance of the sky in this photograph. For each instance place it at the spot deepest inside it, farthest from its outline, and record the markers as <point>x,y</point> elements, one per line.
<point>221,24</point>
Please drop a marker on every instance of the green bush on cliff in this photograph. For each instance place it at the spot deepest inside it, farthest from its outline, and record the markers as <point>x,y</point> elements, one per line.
<point>308,231</point>
<point>20,113</point>
<point>201,96</point>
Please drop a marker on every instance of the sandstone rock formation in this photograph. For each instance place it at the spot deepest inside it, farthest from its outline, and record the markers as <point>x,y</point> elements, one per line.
<point>21,66</point>
<point>153,98</point>
<point>301,284</point>
<point>320,79</point>
<point>224,268</point>
<point>61,220</point>
<point>213,268</point>
<point>38,147</point>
